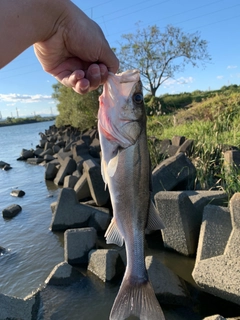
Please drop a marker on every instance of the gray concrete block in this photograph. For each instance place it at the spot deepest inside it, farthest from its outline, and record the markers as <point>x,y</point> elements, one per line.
<point>14,308</point>
<point>174,172</point>
<point>51,171</point>
<point>219,276</point>
<point>69,213</point>
<point>235,210</point>
<point>81,187</point>
<point>63,274</point>
<point>95,182</point>
<point>78,243</point>
<point>105,263</point>
<point>11,211</point>
<point>178,140</point>
<point>168,287</point>
<point>214,233</point>
<point>70,181</point>
<point>68,166</point>
<point>182,221</point>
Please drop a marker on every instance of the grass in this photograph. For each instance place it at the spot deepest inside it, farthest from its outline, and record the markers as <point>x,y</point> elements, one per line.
<point>212,123</point>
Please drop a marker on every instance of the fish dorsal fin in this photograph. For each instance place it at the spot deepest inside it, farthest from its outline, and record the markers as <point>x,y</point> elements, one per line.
<point>154,220</point>
<point>113,235</point>
<point>112,166</point>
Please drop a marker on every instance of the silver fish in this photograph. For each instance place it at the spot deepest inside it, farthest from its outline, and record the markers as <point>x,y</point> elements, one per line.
<point>126,170</point>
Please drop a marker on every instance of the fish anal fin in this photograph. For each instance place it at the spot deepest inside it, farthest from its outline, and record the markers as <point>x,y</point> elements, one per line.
<point>113,235</point>
<point>154,220</point>
<point>137,299</point>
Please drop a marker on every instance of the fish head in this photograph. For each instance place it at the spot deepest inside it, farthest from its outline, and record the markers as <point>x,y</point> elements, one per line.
<point>122,114</point>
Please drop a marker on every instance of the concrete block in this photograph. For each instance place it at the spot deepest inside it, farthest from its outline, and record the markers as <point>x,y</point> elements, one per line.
<point>186,147</point>
<point>95,182</point>
<point>70,181</point>
<point>178,140</point>
<point>11,211</point>
<point>182,221</point>
<point>51,171</point>
<point>68,166</point>
<point>78,243</point>
<point>172,173</point>
<point>63,274</point>
<point>168,287</point>
<point>14,308</point>
<point>214,233</point>
<point>105,263</point>
<point>81,188</point>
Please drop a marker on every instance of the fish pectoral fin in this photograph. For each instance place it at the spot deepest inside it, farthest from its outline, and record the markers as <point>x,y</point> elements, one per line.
<point>154,220</point>
<point>113,235</point>
<point>112,166</point>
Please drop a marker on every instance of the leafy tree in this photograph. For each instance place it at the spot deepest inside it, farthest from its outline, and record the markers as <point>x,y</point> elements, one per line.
<point>79,111</point>
<point>159,55</point>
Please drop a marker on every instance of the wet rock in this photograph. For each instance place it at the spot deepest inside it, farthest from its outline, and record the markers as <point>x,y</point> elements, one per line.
<point>70,181</point>
<point>11,211</point>
<point>174,173</point>
<point>105,263</point>
<point>68,166</point>
<point>95,182</point>
<point>13,308</point>
<point>17,193</point>
<point>3,164</point>
<point>168,287</point>
<point>78,243</point>
<point>182,221</point>
<point>63,274</point>
<point>218,249</point>
<point>2,250</point>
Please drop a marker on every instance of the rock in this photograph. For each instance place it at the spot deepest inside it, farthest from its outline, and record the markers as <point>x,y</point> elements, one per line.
<point>17,193</point>
<point>3,164</point>
<point>69,213</point>
<point>105,263</point>
<point>168,287</point>
<point>70,181</point>
<point>11,211</point>
<point>78,243</point>
<point>182,221</point>
<point>95,182</point>
<point>176,172</point>
<point>218,250</point>
<point>81,188</point>
<point>63,274</point>
<point>68,166</point>
<point>27,154</point>
<point>2,250</point>
<point>13,308</point>
<point>51,171</point>
<point>6,167</point>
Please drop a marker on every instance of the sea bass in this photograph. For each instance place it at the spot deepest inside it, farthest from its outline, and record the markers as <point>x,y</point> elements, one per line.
<point>126,170</point>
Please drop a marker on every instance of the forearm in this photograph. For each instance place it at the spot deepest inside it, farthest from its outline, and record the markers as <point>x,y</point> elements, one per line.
<point>25,22</point>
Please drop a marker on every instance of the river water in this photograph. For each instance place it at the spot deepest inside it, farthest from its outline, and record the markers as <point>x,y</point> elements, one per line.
<point>33,249</point>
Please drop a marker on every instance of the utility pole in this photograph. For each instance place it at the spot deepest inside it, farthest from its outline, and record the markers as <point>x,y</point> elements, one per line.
<point>17,113</point>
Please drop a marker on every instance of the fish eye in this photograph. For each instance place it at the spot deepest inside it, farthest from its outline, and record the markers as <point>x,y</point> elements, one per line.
<point>138,98</point>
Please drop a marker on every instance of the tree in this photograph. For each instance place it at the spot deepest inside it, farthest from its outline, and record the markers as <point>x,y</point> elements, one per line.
<point>159,55</point>
<point>79,111</point>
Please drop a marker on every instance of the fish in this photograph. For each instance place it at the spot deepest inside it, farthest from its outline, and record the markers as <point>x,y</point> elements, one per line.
<point>126,170</point>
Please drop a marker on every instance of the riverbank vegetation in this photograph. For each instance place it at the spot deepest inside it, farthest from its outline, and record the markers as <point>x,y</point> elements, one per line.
<point>10,121</point>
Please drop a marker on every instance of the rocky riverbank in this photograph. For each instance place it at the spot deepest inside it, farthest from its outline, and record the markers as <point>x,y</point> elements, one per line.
<point>198,223</point>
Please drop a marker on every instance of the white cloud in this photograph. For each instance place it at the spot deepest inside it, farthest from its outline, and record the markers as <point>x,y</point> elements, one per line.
<point>179,81</point>
<point>220,77</point>
<point>24,98</point>
<point>231,67</point>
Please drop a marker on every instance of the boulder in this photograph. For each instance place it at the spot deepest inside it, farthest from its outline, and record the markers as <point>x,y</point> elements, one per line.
<point>17,193</point>
<point>105,263</point>
<point>63,274</point>
<point>78,243</point>
<point>182,221</point>
<point>68,166</point>
<point>95,182</point>
<point>176,172</point>
<point>11,211</point>
<point>13,308</point>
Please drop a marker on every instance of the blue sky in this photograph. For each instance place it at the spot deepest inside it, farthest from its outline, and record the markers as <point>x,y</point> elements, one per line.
<point>25,88</point>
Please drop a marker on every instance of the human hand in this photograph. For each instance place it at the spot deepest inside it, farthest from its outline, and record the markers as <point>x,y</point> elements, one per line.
<point>77,53</point>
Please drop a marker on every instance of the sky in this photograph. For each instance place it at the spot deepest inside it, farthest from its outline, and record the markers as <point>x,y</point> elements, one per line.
<point>26,90</point>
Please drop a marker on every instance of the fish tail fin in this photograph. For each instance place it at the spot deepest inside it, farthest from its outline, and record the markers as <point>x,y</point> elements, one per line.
<point>137,299</point>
